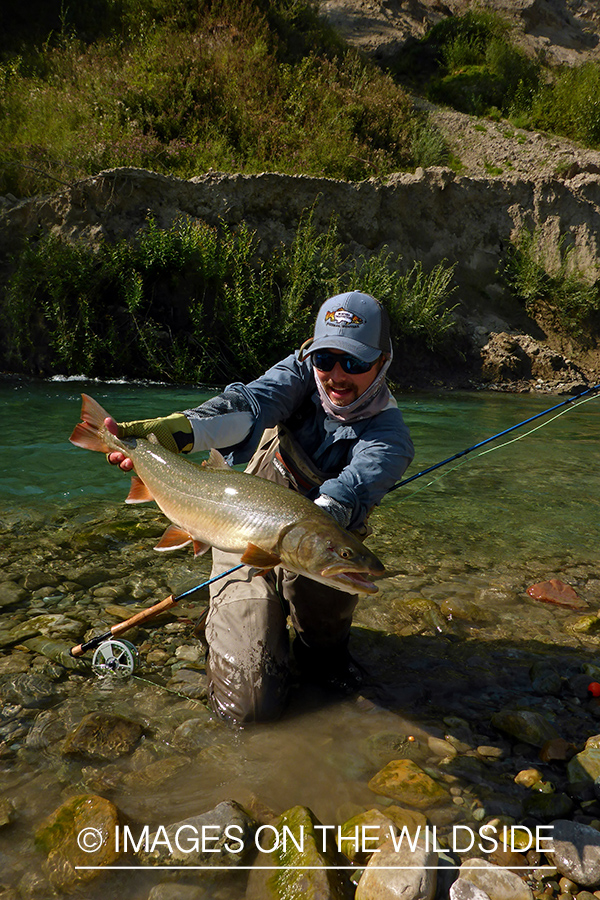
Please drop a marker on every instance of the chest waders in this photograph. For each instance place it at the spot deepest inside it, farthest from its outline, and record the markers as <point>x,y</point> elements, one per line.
<point>248,663</point>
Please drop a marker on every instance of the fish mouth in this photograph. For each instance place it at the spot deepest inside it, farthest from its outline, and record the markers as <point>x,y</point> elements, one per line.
<point>359,580</point>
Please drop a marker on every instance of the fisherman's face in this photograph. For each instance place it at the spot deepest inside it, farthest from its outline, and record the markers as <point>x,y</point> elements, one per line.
<point>342,388</point>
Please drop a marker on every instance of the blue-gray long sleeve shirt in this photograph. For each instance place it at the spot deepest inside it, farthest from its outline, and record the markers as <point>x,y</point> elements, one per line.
<point>363,459</point>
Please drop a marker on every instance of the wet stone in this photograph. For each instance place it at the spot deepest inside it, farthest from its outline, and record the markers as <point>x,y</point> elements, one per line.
<point>405,781</point>
<point>102,736</point>
<point>12,593</point>
<point>179,892</point>
<point>360,836</point>
<point>576,852</point>
<point>318,880</point>
<point>462,889</point>
<point>584,766</point>
<point>545,679</point>
<point>497,883</point>
<point>408,873</point>
<point>525,725</point>
<point>221,836</point>
<point>193,734</point>
<point>547,807</point>
<point>60,837</point>
<point>30,690</point>
<point>189,683</point>
<point>155,773</point>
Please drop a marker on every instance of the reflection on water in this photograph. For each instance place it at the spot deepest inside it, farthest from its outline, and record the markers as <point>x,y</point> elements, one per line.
<point>451,633</point>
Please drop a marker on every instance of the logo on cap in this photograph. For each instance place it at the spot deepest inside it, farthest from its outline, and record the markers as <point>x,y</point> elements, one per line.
<point>342,316</point>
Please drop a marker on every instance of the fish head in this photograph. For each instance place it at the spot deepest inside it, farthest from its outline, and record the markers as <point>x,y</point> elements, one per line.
<point>330,554</point>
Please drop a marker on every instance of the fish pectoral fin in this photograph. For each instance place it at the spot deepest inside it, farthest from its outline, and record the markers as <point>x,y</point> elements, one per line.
<point>174,538</point>
<point>138,492</point>
<point>215,461</point>
<point>259,559</point>
<point>200,547</point>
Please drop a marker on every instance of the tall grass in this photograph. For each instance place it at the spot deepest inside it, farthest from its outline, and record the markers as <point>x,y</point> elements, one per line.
<point>196,303</point>
<point>179,88</point>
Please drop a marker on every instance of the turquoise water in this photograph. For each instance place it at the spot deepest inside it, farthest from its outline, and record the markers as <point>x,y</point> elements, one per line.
<point>539,495</point>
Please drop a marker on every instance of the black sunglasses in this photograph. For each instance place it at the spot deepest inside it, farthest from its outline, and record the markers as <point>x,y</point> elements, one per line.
<point>325,361</point>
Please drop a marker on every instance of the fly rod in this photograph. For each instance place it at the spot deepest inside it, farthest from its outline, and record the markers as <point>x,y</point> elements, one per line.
<point>494,437</point>
<point>145,614</point>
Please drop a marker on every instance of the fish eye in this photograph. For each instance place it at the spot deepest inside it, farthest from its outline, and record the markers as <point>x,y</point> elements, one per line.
<point>346,553</point>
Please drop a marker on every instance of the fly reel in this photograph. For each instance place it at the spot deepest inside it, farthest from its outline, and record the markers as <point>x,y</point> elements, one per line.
<point>115,657</point>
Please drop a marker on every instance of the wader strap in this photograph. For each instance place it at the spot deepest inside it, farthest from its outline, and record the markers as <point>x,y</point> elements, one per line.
<point>280,458</point>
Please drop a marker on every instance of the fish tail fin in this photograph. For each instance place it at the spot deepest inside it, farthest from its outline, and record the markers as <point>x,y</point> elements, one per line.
<point>87,433</point>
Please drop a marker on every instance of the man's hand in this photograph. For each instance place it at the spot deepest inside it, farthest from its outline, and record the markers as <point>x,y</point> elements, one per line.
<point>174,432</point>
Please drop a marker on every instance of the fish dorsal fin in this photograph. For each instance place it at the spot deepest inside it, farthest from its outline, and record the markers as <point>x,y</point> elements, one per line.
<point>138,492</point>
<point>152,439</point>
<point>259,559</point>
<point>216,461</point>
<point>174,538</point>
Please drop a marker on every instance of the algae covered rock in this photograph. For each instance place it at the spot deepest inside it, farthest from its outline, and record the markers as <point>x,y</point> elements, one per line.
<point>405,781</point>
<point>306,860</point>
<point>81,832</point>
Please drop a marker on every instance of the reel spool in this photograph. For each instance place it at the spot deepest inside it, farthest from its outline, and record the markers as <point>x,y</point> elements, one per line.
<point>115,657</point>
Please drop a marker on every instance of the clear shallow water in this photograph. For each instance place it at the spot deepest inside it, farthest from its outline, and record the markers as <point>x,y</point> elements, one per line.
<point>481,532</point>
<point>538,494</point>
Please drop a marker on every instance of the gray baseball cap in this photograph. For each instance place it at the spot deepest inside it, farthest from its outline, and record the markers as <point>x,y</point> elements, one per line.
<point>355,323</point>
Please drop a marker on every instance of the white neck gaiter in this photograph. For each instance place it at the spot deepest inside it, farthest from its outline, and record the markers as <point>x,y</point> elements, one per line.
<point>373,400</point>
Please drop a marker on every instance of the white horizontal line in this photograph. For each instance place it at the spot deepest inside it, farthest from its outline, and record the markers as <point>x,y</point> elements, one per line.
<point>234,868</point>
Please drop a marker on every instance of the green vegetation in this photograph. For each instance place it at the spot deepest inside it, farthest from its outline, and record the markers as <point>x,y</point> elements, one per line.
<point>471,63</point>
<point>180,87</point>
<point>554,286</point>
<point>196,303</point>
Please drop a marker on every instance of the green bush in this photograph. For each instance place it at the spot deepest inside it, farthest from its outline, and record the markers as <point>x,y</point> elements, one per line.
<point>470,63</point>
<point>554,286</point>
<point>198,304</point>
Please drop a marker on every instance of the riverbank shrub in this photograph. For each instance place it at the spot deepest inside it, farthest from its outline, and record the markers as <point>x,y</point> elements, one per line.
<point>553,286</point>
<point>181,87</point>
<point>194,303</point>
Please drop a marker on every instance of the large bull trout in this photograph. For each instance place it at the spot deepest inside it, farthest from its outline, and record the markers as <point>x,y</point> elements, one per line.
<point>214,505</point>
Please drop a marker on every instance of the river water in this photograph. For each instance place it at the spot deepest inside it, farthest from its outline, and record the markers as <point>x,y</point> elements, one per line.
<point>449,639</point>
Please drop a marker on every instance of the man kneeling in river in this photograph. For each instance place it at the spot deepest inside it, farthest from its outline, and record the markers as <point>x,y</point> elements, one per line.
<point>322,422</point>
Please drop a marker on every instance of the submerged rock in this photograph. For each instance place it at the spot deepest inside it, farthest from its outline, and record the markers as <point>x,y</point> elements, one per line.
<point>102,736</point>
<point>81,832</point>
<point>556,591</point>
<point>525,725</point>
